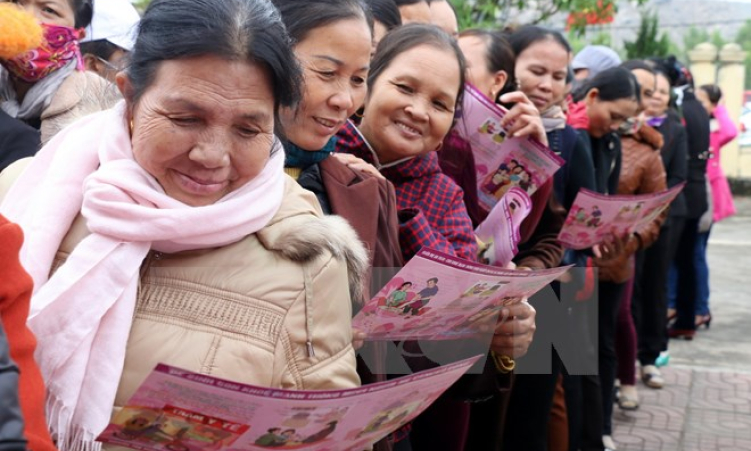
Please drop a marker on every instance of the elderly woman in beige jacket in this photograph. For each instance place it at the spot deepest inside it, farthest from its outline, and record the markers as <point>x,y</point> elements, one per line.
<point>187,244</point>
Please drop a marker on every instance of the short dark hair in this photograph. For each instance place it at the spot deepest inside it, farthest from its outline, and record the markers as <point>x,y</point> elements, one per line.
<point>83,11</point>
<point>527,35</point>
<point>612,84</point>
<point>101,48</point>
<point>386,12</point>
<point>408,37</point>
<point>434,279</point>
<point>637,64</point>
<point>238,30</point>
<point>713,92</point>
<point>498,55</point>
<point>302,16</point>
<point>409,2</point>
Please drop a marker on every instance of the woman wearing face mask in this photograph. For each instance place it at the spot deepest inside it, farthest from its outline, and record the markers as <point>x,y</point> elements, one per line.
<point>406,117</point>
<point>642,172</point>
<point>602,105</point>
<point>47,88</point>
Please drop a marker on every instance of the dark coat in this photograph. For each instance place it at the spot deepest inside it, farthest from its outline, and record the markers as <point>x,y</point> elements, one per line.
<point>606,156</point>
<point>17,140</point>
<point>675,159</point>
<point>697,130</point>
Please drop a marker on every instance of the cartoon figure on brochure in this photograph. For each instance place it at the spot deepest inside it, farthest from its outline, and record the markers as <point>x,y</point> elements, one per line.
<point>493,127</point>
<point>170,429</point>
<point>508,175</point>
<point>404,301</point>
<point>289,438</point>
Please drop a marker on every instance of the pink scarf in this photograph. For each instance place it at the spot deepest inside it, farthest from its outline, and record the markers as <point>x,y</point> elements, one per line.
<point>82,314</point>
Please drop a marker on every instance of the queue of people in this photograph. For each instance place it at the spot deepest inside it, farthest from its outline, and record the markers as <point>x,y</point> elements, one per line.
<point>219,186</point>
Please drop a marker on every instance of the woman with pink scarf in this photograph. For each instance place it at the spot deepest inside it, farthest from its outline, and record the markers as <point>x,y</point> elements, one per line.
<point>165,231</point>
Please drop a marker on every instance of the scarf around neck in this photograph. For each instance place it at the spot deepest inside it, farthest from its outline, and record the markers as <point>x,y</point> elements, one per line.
<point>39,96</point>
<point>82,314</point>
<point>297,157</point>
<point>553,119</point>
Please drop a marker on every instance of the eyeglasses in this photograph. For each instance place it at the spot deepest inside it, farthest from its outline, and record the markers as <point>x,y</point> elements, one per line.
<point>109,65</point>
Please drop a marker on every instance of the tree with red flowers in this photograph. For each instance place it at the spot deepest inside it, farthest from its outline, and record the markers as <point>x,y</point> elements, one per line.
<point>500,13</point>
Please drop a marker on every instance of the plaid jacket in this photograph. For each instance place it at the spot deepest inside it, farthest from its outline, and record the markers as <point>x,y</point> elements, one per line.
<point>431,205</point>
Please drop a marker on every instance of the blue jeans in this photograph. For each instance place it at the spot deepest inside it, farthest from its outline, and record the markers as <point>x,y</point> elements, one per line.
<point>702,276</point>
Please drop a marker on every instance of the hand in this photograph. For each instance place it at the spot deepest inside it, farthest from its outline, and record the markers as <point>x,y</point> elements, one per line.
<point>514,330</point>
<point>523,119</point>
<point>358,164</point>
<point>358,338</point>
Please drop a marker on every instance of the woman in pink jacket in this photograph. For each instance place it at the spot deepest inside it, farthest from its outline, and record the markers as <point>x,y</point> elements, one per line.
<point>723,130</point>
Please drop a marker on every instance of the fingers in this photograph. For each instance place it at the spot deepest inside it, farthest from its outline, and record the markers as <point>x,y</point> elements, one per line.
<point>516,97</point>
<point>524,120</point>
<point>357,164</point>
<point>358,338</point>
<point>512,346</point>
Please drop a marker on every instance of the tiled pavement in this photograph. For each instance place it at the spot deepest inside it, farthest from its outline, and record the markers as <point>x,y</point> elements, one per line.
<point>706,402</point>
<point>697,410</point>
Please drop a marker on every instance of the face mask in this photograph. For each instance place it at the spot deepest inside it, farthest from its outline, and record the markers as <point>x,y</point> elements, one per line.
<point>59,47</point>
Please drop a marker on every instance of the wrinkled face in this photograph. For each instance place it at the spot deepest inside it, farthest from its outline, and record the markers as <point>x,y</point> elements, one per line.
<point>53,12</point>
<point>658,104</point>
<point>415,13</point>
<point>475,50</point>
<point>204,127</point>
<point>607,116</point>
<point>407,113</point>
<point>647,82</point>
<point>541,71</point>
<point>442,16</point>
<point>335,59</point>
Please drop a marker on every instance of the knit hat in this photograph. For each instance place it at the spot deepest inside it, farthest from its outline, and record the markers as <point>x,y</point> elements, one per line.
<point>114,21</point>
<point>595,58</point>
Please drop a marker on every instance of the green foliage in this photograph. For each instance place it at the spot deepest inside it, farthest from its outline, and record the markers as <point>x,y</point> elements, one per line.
<point>744,39</point>
<point>649,41</point>
<point>501,13</point>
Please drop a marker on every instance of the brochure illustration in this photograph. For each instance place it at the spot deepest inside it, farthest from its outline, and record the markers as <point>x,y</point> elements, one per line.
<point>501,162</point>
<point>437,296</point>
<point>178,410</point>
<point>595,216</point>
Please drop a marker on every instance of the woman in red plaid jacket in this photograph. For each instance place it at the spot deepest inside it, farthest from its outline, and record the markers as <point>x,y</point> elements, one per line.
<point>407,115</point>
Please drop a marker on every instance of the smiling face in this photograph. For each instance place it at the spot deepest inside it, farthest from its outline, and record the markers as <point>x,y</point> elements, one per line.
<point>407,113</point>
<point>658,104</point>
<point>335,59</point>
<point>204,127</point>
<point>647,83</point>
<point>53,12</point>
<point>606,116</point>
<point>541,72</point>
